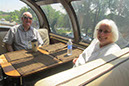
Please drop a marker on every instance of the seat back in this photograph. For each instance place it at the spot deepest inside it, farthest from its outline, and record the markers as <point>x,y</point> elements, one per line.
<point>122,42</point>
<point>2,47</point>
<point>44,35</point>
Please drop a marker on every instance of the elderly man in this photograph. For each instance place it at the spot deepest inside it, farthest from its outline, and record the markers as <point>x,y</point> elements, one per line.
<point>20,36</point>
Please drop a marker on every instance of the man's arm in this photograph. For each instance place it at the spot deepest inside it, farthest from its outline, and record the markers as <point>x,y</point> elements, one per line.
<point>9,47</point>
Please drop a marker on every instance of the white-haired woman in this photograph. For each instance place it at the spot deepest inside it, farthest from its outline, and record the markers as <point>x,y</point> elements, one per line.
<point>105,36</point>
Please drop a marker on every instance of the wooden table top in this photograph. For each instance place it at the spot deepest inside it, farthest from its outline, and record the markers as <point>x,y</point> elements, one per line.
<point>9,67</point>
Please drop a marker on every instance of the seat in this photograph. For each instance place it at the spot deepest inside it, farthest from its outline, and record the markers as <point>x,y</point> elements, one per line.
<point>44,35</point>
<point>111,70</point>
<point>2,47</point>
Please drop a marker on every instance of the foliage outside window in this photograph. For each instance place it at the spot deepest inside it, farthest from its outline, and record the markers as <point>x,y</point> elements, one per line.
<point>14,17</point>
<point>58,19</point>
<point>90,12</point>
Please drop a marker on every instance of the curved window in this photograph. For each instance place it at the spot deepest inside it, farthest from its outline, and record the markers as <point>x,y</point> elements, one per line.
<point>58,19</point>
<point>90,12</point>
<point>11,12</point>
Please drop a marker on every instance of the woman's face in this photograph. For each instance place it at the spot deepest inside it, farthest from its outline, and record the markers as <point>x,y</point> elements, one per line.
<point>104,35</point>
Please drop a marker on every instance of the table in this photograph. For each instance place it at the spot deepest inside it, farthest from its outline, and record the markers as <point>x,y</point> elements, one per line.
<point>25,62</point>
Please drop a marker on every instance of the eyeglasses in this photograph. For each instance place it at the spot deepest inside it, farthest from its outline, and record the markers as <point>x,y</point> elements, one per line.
<point>25,17</point>
<point>104,31</point>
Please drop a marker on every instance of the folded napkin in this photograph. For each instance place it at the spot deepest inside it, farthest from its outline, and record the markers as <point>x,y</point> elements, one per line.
<point>53,47</point>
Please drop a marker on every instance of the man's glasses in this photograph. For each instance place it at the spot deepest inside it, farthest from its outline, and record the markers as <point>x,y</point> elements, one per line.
<point>25,17</point>
<point>104,31</point>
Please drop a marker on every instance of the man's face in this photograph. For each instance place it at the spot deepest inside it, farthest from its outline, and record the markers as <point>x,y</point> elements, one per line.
<point>27,20</point>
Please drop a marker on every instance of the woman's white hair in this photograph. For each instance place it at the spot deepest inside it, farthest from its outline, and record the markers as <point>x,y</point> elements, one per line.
<point>113,26</point>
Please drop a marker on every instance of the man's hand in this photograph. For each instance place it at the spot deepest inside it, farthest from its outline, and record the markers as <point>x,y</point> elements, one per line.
<point>9,47</point>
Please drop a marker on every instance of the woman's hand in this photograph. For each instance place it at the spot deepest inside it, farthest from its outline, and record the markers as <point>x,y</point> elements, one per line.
<point>74,60</point>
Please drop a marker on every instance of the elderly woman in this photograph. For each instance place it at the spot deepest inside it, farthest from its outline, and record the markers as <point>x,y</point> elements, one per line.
<point>105,36</point>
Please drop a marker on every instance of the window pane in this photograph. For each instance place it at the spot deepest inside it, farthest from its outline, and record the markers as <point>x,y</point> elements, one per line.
<point>90,12</point>
<point>58,19</point>
<point>11,12</point>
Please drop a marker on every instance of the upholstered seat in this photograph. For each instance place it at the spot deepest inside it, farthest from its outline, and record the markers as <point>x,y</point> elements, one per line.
<point>111,70</point>
<point>2,47</point>
<point>44,35</point>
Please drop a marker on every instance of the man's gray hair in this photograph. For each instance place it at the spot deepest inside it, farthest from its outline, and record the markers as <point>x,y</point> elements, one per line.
<point>114,29</point>
<point>26,13</point>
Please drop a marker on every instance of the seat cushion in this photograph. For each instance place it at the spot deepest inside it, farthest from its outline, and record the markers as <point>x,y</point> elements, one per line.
<point>2,47</point>
<point>44,35</point>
